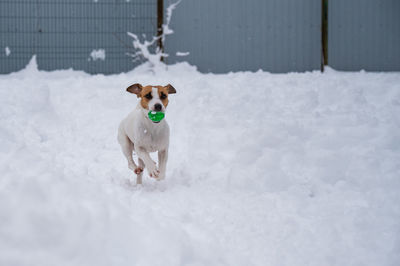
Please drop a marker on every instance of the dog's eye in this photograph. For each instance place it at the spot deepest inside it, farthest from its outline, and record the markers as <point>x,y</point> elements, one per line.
<point>148,96</point>
<point>163,96</point>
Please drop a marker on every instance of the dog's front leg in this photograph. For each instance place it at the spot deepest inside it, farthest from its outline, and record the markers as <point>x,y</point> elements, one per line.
<point>162,161</point>
<point>140,170</point>
<point>148,162</point>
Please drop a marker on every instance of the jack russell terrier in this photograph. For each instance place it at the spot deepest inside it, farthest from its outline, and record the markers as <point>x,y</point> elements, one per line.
<point>137,132</point>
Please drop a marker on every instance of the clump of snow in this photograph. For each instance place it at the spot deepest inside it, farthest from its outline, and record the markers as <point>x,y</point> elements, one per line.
<point>143,47</point>
<point>143,51</point>
<point>264,169</point>
<point>170,9</point>
<point>99,54</point>
<point>182,53</point>
<point>7,51</point>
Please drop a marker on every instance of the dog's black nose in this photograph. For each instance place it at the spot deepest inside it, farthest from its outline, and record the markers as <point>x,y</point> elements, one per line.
<point>157,107</point>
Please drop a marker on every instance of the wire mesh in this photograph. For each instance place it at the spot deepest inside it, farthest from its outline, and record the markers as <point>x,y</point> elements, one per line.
<point>85,35</point>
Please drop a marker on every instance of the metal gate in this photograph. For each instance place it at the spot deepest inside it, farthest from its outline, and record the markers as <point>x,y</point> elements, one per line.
<point>364,34</point>
<point>237,35</point>
<point>89,35</point>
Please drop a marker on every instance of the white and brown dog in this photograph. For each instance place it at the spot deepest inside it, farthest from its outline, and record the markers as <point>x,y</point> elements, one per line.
<point>140,134</point>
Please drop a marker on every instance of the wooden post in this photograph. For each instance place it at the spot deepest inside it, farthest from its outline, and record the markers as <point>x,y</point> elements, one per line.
<point>160,20</point>
<point>324,33</point>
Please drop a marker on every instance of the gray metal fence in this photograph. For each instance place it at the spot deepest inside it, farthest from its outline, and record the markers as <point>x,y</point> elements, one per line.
<point>233,35</point>
<point>220,35</point>
<point>364,34</point>
<point>89,35</point>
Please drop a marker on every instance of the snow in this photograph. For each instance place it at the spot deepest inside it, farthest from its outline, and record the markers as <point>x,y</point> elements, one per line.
<point>99,54</point>
<point>144,47</point>
<point>264,169</point>
<point>182,53</point>
<point>7,51</point>
<point>169,11</point>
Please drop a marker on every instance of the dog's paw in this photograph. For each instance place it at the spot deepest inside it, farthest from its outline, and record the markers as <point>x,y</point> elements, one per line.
<point>161,175</point>
<point>138,170</point>
<point>153,171</point>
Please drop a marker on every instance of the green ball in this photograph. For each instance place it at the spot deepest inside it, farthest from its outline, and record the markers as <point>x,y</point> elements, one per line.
<point>156,116</point>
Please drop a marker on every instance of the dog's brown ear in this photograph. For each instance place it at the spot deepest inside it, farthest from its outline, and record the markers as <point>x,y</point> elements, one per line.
<point>170,89</point>
<point>135,88</point>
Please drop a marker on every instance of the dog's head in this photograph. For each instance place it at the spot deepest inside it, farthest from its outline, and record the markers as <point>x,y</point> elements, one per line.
<point>152,98</point>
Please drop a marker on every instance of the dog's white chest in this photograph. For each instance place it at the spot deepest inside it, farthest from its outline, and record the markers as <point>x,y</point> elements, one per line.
<point>152,140</point>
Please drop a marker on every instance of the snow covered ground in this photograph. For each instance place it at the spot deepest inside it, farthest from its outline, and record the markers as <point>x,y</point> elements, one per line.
<point>264,169</point>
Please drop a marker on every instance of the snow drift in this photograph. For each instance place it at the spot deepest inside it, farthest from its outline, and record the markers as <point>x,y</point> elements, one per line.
<point>264,169</point>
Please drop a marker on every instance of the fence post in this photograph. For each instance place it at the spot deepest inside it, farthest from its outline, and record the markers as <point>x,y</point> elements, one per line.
<point>324,33</point>
<point>160,18</point>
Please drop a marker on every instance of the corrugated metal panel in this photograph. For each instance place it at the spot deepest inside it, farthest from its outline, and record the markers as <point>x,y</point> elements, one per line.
<point>364,34</point>
<point>63,33</point>
<point>234,35</point>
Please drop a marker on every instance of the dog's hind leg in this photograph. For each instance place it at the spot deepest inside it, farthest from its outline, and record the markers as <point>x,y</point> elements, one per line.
<point>162,162</point>
<point>127,149</point>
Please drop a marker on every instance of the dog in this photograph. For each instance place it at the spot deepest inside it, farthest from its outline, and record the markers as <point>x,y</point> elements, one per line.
<point>140,134</point>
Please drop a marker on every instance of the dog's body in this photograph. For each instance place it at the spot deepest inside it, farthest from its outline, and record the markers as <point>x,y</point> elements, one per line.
<point>140,134</point>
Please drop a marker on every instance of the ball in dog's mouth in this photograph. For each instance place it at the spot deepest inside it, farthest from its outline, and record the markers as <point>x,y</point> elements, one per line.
<point>156,117</point>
